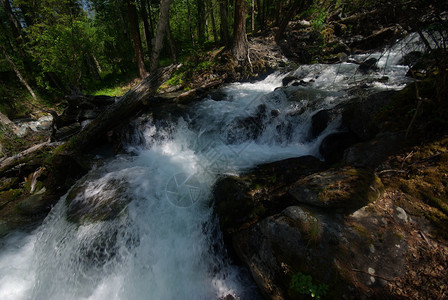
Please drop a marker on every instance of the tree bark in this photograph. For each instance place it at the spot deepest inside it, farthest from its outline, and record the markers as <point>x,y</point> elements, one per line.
<point>278,12</point>
<point>16,28</point>
<point>135,32</point>
<point>224,26</point>
<point>253,16</point>
<point>146,30</point>
<point>190,26</point>
<point>260,14</point>
<point>201,21</point>
<point>212,16</point>
<point>23,156</point>
<point>171,44</point>
<point>240,45</point>
<point>162,27</point>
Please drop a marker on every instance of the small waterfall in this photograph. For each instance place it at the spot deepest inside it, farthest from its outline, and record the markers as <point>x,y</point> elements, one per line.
<point>160,239</point>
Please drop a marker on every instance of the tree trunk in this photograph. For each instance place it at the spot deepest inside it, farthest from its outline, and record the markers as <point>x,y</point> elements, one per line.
<point>278,12</point>
<point>97,64</point>
<point>135,32</point>
<point>171,44</point>
<point>120,14</point>
<point>291,13</point>
<point>190,26</point>
<point>19,75</point>
<point>151,20</point>
<point>212,16</point>
<point>201,21</point>
<point>253,16</point>
<point>260,14</point>
<point>148,35</point>
<point>16,28</point>
<point>224,26</point>
<point>162,27</point>
<point>240,45</point>
<point>265,12</point>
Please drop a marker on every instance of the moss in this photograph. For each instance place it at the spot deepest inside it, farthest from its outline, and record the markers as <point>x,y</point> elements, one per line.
<point>9,196</point>
<point>361,231</point>
<point>352,189</point>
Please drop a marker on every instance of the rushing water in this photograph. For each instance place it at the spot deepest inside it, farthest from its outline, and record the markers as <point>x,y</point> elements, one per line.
<point>165,242</point>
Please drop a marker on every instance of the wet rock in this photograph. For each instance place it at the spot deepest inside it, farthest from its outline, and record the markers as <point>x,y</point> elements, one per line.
<point>244,199</point>
<point>249,127</point>
<point>288,79</point>
<point>345,188</point>
<point>333,145</point>
<point>411,59</point>
<point>368,65</point>
<point>320,121</point>
<point>93,200</point>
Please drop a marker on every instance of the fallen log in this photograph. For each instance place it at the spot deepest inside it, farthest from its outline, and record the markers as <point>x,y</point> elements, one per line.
<point>127,106</point>
<point>24,156</point>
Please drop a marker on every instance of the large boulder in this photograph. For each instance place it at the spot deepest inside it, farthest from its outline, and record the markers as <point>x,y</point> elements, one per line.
<point>243,200</point>
<point>350,257</point>
<point>358,115</point>
<point>290,221</point>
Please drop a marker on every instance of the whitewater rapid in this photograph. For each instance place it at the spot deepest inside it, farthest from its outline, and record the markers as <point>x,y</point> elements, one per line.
<point>166,243</point>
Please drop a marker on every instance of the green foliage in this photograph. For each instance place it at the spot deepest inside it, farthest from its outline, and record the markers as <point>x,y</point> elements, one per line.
<point>60,43</point>
<point>303,285</point>
<point>317,15</point>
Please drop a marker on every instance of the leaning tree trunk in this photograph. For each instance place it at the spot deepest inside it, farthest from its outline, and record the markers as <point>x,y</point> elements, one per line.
<point>19,75</point>
<point>240,45</point>
<point>162,26</point>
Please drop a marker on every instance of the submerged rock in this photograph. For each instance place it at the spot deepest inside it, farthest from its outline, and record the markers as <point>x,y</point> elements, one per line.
<point>93,200</point>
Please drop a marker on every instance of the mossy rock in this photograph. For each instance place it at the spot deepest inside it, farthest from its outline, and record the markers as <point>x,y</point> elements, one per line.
<point>240,201</point>
<point>33,205</point>
<point>346,188</point>
<point>9,196</point>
